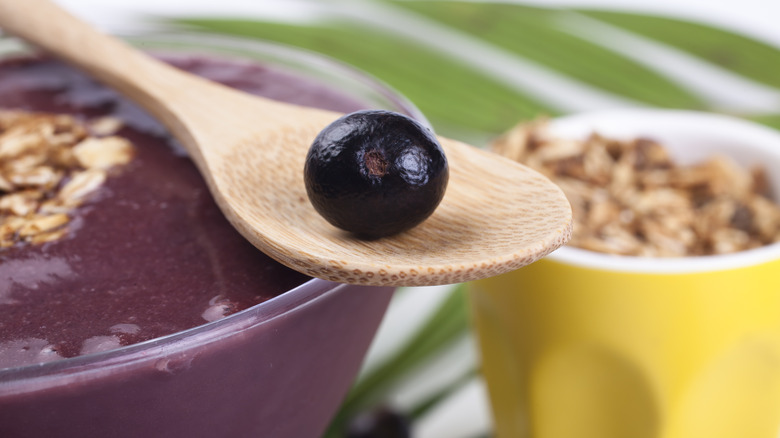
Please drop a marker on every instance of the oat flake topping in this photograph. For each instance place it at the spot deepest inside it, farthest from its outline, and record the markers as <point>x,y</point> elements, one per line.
<point>50,164</point>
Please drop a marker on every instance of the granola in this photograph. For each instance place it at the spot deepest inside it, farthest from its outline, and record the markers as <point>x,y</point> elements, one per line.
<point>628,196</point>
<point>50,164</point>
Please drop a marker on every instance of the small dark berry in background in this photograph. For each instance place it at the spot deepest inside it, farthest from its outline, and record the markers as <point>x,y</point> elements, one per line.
<point>375,173</point>
<point>379,423</point>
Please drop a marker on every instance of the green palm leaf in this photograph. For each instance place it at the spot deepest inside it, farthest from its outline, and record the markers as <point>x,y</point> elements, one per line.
<point>538,34</point>
<point>453,96</point>
<point>735,52</point>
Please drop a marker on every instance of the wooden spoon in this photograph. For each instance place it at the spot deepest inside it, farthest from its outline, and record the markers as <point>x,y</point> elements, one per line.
<point>496,215</point>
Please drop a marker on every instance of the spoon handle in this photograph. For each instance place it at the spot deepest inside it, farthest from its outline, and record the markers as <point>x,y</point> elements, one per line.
<point>184,103</point>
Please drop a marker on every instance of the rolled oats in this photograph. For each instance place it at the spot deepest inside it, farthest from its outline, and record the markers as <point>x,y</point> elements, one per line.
<point>103,153</point>
<point>81,184</point>
<point>105,126</point>
<point>49,165</point>
<point>630,198</point>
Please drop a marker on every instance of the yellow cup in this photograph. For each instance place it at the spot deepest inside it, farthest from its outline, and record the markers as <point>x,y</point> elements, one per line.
<point>589,345</point>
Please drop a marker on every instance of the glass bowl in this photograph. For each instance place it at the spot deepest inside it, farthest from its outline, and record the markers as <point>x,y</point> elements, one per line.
<point>279,368</point>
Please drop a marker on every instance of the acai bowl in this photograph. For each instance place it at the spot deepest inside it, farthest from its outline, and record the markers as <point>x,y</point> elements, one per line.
<point>143,313</point>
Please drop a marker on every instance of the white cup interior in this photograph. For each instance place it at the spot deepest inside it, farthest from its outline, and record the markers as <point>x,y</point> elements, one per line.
<point>690,137</point>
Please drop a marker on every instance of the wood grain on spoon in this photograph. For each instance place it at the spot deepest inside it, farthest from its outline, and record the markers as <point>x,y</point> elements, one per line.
<point>496,216</point>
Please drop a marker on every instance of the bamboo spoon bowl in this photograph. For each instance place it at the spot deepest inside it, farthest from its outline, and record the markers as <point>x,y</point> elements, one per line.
<point>496,215</point>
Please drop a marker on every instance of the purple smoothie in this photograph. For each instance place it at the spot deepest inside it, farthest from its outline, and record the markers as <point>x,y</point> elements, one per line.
<point>151,257</point>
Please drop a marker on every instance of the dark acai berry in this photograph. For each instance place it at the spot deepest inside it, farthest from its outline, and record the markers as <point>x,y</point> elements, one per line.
<point>375,173</point>
<point>381,422</point>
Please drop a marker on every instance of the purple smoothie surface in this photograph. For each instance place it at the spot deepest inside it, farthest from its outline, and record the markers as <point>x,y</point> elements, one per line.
<point>150,254</point>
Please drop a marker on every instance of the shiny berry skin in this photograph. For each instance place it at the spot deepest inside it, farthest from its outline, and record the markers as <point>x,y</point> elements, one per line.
<point>375,173</point>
